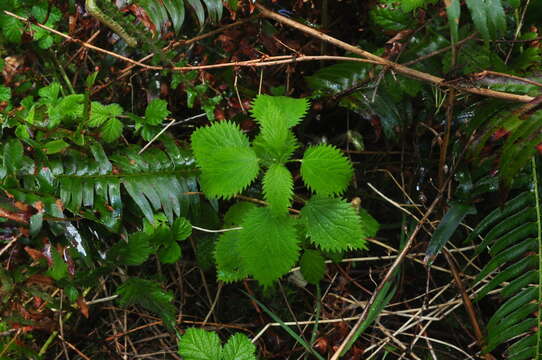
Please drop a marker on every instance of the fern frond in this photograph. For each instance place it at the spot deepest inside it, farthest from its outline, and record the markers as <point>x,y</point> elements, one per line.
<point>148,294</point>
<point>513,236</point>
<point>155,180</point>
<point>523,134</point>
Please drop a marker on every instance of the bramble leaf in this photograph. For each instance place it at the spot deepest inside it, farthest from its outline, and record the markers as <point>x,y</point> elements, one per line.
<point>198,344</point>
<point>156,112</point>
<point>135,252</point>
<point>326,170</point>
<point>169,253</point>
<point>12,28</point>
<point>228,163</point>
<point>181,229</point>
<point>313,266</point>
<point>278,188</point>
<point>239,347</point>
<point>333,224</point>
<point>268,245</point>
<point>111,130</point>
<point>99,113</point>
<point>49,94</point>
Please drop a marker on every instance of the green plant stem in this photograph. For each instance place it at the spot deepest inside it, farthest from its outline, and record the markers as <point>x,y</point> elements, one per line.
<point>63,73</point>
<point>6,347</point>
<point>318,308</point>
<point>539,238</point>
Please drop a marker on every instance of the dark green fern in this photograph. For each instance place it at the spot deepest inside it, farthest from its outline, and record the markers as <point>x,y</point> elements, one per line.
<point>513,237</point>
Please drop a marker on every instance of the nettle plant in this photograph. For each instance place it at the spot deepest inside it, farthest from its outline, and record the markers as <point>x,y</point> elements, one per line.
<point>268,240</point>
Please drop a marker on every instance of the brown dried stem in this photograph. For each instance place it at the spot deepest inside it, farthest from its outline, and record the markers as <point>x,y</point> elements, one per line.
<point>404,70</point>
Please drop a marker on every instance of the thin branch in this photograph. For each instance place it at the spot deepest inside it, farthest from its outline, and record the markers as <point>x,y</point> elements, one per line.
<point>9,244</point>
<point>216,231</point>
<point>156,136</point>
<point>467,303</point>
<point>80,42</point>
<point>10,215</point>
<point>387,277</point>
<point>369,58</point>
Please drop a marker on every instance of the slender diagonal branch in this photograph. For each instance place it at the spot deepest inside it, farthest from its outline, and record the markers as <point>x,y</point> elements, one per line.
<point>387,277</point>
<point>401,69</point>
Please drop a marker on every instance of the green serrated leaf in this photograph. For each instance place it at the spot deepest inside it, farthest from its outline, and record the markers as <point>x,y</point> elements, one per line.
<point>156,112</point>
<point>326,170</point>
<point>229,266</point>
<point>49,94</point>
<point>5,93</point>
<point>198,344</point>
<point>135,252</point>
<point>271,150</point>
<point>236,213</point>
<point>268,245</point>
<point>333,224</point>
<point>149,295</point>
<point>313,266</point>
<point>278,187</point>
<point>111,130</point>
<point>169,253</point>
<point>69,107</point>
<point>228,163</point>
<point>99,113</point>
<point>239,347</point>
<point>275,111</point>
<point>390,17</point>
<point>181,229</point>
<point>11,28</point>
